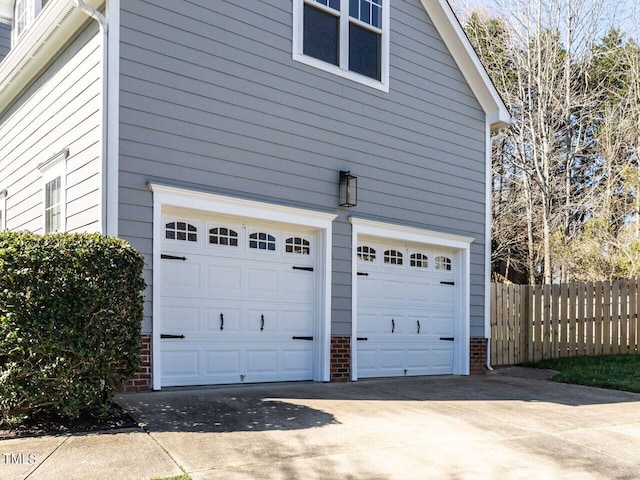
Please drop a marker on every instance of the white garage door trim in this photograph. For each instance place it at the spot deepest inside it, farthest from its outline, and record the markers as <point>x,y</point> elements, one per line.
<point>164,195</point>
<point>462,246</point>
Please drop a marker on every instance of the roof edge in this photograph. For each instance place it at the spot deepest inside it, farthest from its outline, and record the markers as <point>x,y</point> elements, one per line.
<point>467,59</point>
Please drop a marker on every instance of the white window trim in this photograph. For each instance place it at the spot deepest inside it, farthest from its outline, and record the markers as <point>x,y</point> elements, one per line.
<point>3,209</point>
<point>33,8</point>
<point>168,196</point>
<point>461,257</point>
<point>56,166</point>
<point>342,70</point>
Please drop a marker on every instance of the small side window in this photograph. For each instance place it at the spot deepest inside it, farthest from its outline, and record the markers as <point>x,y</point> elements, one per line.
<point>419,260</point>
<point>181,231</point>
<point>262,241</point>
<point>393,257</point>
<point>297,245</point>
<point>223,236</point>
<point>366,254</point>
<point>443,263</point>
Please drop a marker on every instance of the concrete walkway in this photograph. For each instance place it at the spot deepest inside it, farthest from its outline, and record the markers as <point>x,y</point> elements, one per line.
<point>509,424</point>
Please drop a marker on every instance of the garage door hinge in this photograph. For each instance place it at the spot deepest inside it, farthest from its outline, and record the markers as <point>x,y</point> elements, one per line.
<point>448,339</point>
<point>306,269</point>
<point>172,257</point>
<point>364,339</point>
<point>447,283</point>
<point>165,335</point>
<point>303,338</point>
<point>363,274</point>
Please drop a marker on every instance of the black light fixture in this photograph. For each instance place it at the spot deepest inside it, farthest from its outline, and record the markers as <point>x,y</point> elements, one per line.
<point>348,189</point>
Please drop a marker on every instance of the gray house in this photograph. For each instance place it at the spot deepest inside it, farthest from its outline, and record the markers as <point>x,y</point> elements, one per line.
<point>307,179</point>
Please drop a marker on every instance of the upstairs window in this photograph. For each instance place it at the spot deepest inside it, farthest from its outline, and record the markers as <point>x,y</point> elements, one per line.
<point>24,13</point>
<point>347,37</point>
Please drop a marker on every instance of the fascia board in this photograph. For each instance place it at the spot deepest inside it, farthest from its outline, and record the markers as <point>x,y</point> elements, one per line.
<point>465,56</point>
<point>51,31</point>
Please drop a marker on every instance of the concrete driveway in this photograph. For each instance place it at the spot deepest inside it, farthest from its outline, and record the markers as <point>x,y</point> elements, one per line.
<point>508,425</point>
<point>511,424</point>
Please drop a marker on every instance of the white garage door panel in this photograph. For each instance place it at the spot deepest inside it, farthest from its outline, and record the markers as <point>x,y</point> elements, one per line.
<point>180,363</point>
<point>263,300</point>
<point>222,360</point>
<point>403,311</point>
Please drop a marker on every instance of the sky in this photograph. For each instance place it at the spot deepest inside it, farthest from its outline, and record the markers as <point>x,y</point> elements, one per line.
<point>622,13</point>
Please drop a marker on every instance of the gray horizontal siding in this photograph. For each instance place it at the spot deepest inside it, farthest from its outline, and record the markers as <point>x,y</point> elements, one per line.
<point>5,40</point>
<point>61,109</point>
<point>211,99</point>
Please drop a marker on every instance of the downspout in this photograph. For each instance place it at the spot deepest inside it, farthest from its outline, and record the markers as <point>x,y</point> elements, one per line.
<point>487,245</point>
<point>104,30</point>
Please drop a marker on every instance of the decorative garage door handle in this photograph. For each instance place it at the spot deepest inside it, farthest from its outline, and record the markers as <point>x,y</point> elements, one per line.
<point>393,325</point>
<point>363,274</point>
<point>418,322</point>
<point>302,338</point>
<point>364,339</point>
<point>306,269</point>
<point>448,339</point>
<point>164,256</point>
<point>447,283</point>
<point>221,322</point>
<point>261,322</point>
<point>165,335</point>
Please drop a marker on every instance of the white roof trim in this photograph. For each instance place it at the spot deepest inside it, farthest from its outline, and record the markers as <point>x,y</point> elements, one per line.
<point>467,59</point>
<point>39,45</point>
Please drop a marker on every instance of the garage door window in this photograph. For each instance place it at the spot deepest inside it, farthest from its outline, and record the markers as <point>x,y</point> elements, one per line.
<point>223,236</point>
<point>443,263</point>
<point>181,231</point>
<point>297,245</point>
<point>419,260</point>
<point>262,241</point>
<point>393,257</point>
<point>366,254</point>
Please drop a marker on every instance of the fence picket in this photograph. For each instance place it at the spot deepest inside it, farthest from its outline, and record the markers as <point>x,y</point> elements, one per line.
<point>623,308</point>
<point>537,322</point>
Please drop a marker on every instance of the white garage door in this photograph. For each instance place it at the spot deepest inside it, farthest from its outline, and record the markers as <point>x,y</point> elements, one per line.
<point>406,310</point>
<point>238,301</point>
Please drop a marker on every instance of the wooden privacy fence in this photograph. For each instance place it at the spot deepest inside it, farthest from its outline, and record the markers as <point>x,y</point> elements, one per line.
<point>535,322</point>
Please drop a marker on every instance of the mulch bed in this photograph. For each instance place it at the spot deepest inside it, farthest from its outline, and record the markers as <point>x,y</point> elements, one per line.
<point>49,423</point>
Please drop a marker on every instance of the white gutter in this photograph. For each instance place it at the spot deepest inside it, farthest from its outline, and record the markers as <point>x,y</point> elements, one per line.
<point>487,244</point>
<point>104,30</point>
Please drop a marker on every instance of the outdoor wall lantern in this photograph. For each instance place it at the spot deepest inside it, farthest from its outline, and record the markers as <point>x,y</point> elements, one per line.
<point>348,189</point>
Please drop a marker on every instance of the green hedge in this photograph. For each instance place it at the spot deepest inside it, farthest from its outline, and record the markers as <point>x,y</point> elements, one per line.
<point>70,318</point>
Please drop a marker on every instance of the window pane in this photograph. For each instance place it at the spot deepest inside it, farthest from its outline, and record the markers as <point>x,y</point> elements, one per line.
<point>364,52</point>
<point>367,11</point>
<point>321,35</point>
<point>52,206</point>
<point>335,4</point>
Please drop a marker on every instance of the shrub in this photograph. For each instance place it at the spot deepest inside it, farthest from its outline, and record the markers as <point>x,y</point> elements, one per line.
<point>70,318</point>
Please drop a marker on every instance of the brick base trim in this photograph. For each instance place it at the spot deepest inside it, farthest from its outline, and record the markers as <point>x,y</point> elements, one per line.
<point>141,381</point>
<point>340,361</point>
<point>477,355</point>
